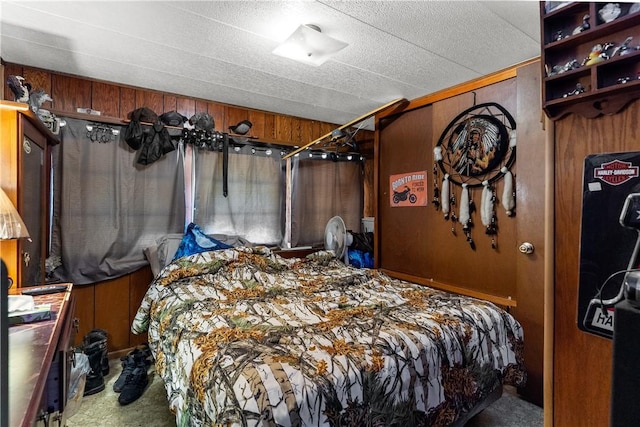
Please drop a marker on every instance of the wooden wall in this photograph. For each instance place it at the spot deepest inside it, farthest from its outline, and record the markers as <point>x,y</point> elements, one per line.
<point>418,240</point>
<point>111,305</point>
<point>417,243</point>
<point>114,100</point>
<point>582,362</point>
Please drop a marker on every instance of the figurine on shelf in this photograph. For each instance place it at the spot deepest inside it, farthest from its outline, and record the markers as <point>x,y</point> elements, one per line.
<point>579,89</point>
<point>593,55</point>
<point>37,98</point>
<point>558,36</point>
<point>585,25</point>
<point>571,65</point>
<point>609,50</point>
<point>556,69</point>
<point>19,87</point>
<point>598,54</point>
<point>559,69</point>
<point>623,80</point>
<point>624,48</point>
<point>609,12</point>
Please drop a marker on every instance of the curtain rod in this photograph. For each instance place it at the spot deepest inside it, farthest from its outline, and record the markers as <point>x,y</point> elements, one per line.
<point>288,145</point>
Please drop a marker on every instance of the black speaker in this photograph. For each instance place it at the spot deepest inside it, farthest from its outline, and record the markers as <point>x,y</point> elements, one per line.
<point>625,407</point>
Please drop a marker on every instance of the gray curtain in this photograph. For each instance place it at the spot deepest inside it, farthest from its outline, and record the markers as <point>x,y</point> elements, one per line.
<point>323,189</point>
<point>107,208</point>
<point>254,206</point>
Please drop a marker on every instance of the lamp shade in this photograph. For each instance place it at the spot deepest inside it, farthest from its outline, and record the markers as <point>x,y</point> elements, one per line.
<point>309,45</point>
<point>11,225</point>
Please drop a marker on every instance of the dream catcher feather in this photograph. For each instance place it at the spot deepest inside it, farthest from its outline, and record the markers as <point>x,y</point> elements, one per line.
<point>475,150</point>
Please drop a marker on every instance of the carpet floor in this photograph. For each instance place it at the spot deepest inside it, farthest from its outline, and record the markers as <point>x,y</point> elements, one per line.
<point>151,409</point>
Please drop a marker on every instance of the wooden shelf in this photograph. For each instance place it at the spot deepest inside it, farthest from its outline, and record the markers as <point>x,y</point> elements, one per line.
<point>24,109</point>
<point>123,122</point>
<point>603,92</point>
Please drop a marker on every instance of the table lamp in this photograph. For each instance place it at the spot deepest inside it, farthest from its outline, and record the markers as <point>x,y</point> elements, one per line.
<point>11,227</point>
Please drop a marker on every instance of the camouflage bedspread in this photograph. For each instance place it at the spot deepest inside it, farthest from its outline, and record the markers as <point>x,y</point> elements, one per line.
<point>244,337</point>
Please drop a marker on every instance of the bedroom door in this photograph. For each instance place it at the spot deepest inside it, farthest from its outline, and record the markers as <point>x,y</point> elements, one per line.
<point>530,226</point>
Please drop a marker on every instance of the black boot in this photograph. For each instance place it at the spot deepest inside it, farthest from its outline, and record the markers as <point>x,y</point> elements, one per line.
<point>95,380</point>
<point>139,356</point>
<point>99,336</point>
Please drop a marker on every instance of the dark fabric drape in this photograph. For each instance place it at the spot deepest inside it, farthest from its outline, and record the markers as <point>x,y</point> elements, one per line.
<point>323,189</point>
<point>109,207</point>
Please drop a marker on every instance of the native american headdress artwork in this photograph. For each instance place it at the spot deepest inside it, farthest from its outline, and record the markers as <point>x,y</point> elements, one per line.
<point>475,150</point>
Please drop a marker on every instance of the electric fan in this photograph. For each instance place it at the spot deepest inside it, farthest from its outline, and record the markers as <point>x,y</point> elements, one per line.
<point>337,238</point>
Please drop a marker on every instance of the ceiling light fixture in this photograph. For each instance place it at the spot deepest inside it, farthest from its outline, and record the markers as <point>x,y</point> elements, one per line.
<point>309,45</point>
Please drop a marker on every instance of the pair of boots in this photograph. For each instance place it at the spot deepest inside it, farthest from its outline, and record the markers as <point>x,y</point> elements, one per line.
<point>94,345</point>
<point>133,379</point>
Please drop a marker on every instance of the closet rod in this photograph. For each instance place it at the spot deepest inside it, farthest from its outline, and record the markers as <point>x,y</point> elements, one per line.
<point>121,122</point>
<point>103,119</point>
<point>88,117</point>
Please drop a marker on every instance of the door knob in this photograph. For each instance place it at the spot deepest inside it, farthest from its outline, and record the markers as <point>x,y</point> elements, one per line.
<point>526,248</point>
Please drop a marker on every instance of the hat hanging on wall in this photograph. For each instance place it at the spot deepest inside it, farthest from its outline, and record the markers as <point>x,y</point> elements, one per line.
<point>203,121</point>
<point>241,128</point>
<point>173,118</point>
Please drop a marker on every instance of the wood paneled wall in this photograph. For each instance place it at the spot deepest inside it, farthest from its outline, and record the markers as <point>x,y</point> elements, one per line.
<point>115,101</point>
<point>418,244</point>
<point>418,240</point>
<point>582,362</point>
<point>112,304</point>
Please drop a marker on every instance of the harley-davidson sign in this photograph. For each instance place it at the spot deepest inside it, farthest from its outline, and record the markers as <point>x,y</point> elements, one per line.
<point>616,172</point>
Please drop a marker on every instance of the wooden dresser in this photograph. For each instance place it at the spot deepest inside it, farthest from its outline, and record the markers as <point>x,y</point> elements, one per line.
<point>40,356</point>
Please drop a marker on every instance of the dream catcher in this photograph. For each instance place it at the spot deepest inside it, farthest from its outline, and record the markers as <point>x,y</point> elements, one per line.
<point>475,150</point>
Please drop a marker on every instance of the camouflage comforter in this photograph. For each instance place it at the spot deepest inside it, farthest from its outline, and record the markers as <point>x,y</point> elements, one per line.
<point>244,337</point>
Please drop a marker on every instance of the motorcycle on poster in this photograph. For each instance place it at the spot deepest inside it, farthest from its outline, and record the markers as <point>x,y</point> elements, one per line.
<point>408,189</point>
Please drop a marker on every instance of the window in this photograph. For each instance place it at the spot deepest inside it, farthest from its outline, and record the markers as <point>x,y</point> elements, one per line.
<point>254,206</point>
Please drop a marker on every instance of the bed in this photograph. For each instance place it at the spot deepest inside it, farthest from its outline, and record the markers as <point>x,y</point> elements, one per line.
<point>244,337</point>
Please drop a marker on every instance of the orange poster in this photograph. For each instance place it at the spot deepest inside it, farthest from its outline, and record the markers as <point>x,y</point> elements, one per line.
<point>408,189</point>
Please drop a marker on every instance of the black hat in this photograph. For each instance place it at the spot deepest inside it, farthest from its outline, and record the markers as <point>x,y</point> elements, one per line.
<point>241,128</point>
<point>202,121</point>
<point>173,118</point>
<point>143,114</point>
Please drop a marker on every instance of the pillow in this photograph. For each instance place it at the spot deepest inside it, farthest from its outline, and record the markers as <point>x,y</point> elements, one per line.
<point>195,241</point>
<point>167,247</point>
<point>151,253</point>
<point>235,241</point>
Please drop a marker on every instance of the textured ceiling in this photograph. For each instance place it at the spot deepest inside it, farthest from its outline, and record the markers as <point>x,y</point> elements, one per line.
<point>221,50</point>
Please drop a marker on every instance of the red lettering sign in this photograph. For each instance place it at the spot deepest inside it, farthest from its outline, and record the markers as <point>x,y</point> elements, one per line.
<point>616,172</point>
